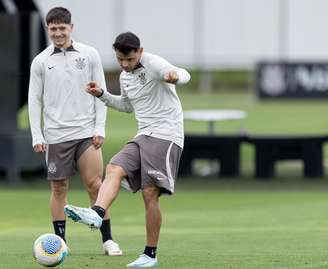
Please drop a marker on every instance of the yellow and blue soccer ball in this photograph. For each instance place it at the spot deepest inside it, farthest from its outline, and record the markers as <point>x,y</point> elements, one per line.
<point>49,250</point>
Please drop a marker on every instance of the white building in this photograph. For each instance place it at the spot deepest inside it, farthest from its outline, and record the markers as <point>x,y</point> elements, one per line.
<point>205,33</point>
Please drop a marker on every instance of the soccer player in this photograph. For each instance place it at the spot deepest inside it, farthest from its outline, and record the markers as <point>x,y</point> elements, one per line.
<point>150,161</point>
<point>67,123</point>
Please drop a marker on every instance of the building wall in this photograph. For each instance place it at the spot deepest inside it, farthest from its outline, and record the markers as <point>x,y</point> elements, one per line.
<point>208,34</point>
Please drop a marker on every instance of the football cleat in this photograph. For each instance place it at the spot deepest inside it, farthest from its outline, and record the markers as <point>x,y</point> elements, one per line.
<point>83,215</point>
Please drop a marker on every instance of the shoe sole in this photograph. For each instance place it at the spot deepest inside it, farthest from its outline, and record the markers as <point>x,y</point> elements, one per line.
<point>113,254</point>
<point>134,266</point>
<point>141,266</point>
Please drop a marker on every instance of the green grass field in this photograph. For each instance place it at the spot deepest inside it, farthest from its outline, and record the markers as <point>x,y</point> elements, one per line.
<point>212,223</point>
<point>207,224</point>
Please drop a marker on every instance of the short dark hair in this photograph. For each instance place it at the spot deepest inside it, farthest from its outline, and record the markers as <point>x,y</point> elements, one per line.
<point>126,42</point>
<point>58,15</point>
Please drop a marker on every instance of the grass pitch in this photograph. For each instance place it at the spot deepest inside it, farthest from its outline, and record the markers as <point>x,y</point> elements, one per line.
<point>208,223</point>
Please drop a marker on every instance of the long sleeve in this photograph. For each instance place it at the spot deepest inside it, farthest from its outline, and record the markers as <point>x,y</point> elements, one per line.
<point>101,110</point>
<point>120,103</point>
<point>35,102</point>
<point>159,66</point>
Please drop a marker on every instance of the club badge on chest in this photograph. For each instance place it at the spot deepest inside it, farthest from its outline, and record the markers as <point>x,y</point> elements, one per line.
<point>142,78</point>
<point>80,63</point>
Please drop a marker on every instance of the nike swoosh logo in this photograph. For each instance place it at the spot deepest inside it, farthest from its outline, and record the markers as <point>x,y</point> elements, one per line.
<point>50,67</point>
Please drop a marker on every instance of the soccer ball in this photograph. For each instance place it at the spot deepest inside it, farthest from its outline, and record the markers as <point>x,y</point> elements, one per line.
<point>49,250</point>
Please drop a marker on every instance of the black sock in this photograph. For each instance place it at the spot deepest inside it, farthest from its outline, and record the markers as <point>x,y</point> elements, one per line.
<point>59,227</point>
<point>150,251</point>
<point>105,230</point>
<point>100,211</point>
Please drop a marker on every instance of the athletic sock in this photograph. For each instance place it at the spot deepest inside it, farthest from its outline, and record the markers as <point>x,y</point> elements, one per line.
<point>100,211</point>
<point>105,230</point>
<point>59,227</point>
<point>150,251</point>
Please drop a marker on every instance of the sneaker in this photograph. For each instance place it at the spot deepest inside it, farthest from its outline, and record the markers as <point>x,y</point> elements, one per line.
<point>83,215</point>
<point>143,261</point>
<point>111,248</point>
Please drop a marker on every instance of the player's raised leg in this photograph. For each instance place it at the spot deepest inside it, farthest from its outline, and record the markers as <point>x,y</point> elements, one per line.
<point>110,186</point>
<point>107,194</point>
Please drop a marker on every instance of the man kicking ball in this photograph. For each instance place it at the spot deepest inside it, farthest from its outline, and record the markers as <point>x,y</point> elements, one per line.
<point>150,161</point>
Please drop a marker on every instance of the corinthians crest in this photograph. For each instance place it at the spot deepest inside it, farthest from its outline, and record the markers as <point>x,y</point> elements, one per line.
<point>80,63</point>
<point>52,168</point>
<point>142,78</point>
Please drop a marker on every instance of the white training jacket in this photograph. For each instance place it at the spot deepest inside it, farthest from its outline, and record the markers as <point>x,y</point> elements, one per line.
<point>155,102</point>
<point>59,107</point>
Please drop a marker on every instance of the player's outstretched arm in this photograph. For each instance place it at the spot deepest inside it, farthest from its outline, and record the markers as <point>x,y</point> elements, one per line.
<point>177,76</point>
<point>163,70</point>
<point>120,103</point>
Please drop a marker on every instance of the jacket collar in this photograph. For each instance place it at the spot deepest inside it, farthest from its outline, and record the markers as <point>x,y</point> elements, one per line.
<point>59,50</point>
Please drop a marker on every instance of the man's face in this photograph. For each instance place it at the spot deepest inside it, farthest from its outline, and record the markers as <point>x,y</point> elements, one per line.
<point>60,34</point>
<point>130,61</point>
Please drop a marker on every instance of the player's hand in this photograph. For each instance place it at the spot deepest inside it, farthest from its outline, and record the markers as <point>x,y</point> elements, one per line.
<point>97,141</point>
<point>171,77</point>
<point>40,148</point>
<point>93,89</point>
